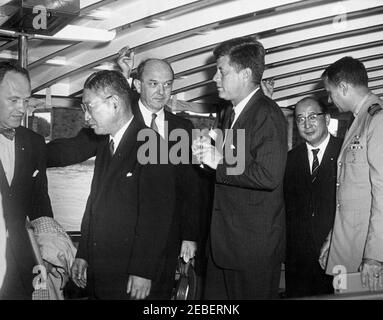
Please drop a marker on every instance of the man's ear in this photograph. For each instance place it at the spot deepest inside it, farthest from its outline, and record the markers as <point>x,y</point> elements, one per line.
<point>247,74</point>
<point>344,87</point>
<point>137,85</point>
<point>328,118</point>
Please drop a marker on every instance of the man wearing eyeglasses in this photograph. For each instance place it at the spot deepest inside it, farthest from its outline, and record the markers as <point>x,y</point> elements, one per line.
<point>309,188</point>
<point>23,181</point>
<point>128,214</point>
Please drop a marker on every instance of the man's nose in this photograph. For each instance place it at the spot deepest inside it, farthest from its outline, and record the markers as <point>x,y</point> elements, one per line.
<point>307,123</point>
<point>161,89</point>
<point>87,115</point>
<point>216,77</point>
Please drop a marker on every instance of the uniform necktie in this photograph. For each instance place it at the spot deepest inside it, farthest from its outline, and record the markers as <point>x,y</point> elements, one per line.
<point>315,167</point>
<point>8,133</point>
<point>111,147</point>
<point>153,124</point>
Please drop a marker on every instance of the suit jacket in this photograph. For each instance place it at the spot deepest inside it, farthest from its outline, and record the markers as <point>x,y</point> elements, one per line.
<point>127,217</point>
<point>310,207</point>
<point>63,152</point>
<point>358,225</point>
<point>248,220</point>
<point>26,196</point>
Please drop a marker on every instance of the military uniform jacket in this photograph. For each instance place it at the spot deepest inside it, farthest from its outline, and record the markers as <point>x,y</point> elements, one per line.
<point>358,226</point>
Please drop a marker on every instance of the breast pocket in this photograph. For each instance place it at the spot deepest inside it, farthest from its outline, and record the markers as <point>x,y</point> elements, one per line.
<point>356,154</point>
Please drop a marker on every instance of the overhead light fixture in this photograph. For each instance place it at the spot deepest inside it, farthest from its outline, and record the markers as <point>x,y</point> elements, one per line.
<point>155,23</point>
<point>80,33</point>
<point>99,14</point>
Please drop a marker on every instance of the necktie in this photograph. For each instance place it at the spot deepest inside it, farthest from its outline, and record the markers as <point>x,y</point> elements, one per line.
<point>315,167</point>
<point>231,118</point>
<point>111,147</point>
<point>8,133</point>
<point>153,124</point>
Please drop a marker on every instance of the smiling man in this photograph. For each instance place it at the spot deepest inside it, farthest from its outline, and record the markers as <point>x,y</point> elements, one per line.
<point>23,181</point>
<point>309,188</point>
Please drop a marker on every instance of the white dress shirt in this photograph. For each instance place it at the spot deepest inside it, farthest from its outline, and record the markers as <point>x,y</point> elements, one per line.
<point>7,157</point>
<point>118,136</point>
<point>322,147</point>
<point>241,105</point>
<point>147,115</point>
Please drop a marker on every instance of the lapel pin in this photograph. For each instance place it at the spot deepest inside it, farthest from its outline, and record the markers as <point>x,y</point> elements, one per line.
<point>129,174</point>
<point>35,173</point>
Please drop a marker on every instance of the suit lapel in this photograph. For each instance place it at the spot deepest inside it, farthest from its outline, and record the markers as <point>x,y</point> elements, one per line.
<point>4,186</point>
<point>125,152</point>
<point>243,116</point>
<point>20,156</point>
<point>304,160</point>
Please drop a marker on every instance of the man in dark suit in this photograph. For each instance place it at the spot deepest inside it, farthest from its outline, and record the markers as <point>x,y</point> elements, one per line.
<point>129,210</point>
<point>310,184</point>
<point>23,181</point>
<point>248,221</point>
<point>154,84</point>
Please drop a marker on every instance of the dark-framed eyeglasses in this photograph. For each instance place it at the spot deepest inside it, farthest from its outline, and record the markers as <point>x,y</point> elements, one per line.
<point>311,118</point>
<point>87,107</point>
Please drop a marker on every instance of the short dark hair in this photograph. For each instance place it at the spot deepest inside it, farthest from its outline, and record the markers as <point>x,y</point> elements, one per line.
<point>244,52</point>
<point>141,66</point>
<point>346,69</point>
<point>110,80</point>
<point>7,66</point>
<point>323,107</point>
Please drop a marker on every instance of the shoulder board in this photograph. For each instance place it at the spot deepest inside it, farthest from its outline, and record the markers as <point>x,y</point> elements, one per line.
<point>374,109</point>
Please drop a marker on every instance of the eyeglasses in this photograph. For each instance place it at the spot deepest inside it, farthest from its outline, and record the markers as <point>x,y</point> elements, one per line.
<point>87,107</point>
<point>311,118</point>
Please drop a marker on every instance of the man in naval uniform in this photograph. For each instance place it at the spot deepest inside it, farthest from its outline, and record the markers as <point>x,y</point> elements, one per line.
<point>356,241</point>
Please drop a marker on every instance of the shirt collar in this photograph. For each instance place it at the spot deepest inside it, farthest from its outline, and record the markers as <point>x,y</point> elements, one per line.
<point>322,146</point>
<point>147,114</point>
<point>360,104</point>
<point>242,104</point>
<point>118,136</point>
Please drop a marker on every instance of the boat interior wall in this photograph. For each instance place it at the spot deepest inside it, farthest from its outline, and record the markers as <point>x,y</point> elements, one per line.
<point>301,38</point>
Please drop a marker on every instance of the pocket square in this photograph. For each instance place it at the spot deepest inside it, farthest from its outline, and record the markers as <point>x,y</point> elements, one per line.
<point>232,147</point>
<point>129,174</point>
<point>35,173</point>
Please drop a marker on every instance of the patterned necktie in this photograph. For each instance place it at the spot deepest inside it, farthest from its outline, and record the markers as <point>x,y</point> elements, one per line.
<point>111,147</point>
<point>315,167</point>
<point>153,124</point>
<point>8,133</point>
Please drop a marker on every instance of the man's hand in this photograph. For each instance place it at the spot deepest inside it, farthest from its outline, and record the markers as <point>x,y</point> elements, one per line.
<point>139,288</point>
<point>125,61</point>
<point>206,153</point>
<point>188,250</point>
<point>50,268</point>
<point>371,274</point>
<point>324,252</point>
<point>78,272</point>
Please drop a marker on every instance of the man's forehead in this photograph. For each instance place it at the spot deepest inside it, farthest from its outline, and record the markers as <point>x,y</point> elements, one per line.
<point>16,83</point>
<point>157,70</point>
<point>307,106</point>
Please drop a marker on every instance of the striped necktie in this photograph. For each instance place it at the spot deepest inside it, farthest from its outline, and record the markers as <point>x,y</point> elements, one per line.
<point>315,167</point>
<point>153,124</point>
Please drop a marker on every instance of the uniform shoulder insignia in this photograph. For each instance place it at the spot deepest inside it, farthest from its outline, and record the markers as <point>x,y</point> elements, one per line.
<point>374,109</point>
